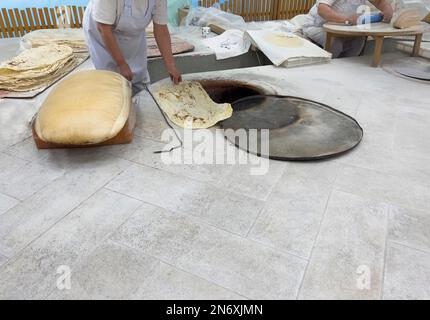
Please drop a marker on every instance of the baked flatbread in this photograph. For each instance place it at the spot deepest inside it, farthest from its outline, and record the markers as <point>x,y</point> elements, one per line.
<point>74,38</point>
<point>189,106</point>
<point>35,68</point>
<point>37,58</point>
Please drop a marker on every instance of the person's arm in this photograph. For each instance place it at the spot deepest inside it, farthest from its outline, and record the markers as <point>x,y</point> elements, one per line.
<point>162,36</point>
<point>385,7</point>
<point>330,15</point>
<point>106,32</point>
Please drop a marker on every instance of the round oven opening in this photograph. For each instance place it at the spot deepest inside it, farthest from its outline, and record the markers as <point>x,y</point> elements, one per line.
<point>229,91</point>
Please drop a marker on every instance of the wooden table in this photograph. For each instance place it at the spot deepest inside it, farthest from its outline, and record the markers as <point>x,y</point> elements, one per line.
<point>378,31</point>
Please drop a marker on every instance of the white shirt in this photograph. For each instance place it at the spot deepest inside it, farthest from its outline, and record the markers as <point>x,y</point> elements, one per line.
<point>345,7</point>
<point>109,11</point>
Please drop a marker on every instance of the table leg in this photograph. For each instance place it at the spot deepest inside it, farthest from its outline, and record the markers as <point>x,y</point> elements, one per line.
<point>328,41</point>
<point>379,43</point>
<point>417,45</point>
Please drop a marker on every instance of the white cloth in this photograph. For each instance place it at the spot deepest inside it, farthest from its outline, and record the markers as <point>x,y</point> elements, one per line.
<point>281,55</point>
<point>231,43</point>
<point>129,30</point>
<point>110,11</point>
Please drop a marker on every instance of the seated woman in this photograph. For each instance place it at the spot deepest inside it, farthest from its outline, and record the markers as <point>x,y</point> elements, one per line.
<point>343,12</point>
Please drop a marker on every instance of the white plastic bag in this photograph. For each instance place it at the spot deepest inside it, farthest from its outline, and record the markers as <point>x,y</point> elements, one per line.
<point>203,17</point>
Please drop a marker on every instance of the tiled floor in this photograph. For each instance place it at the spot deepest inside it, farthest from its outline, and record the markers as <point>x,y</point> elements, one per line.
<point>129,226</point>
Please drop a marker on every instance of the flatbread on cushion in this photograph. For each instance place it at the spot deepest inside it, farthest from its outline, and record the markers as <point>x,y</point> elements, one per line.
<point>89,107</point>
<point>189,106</point>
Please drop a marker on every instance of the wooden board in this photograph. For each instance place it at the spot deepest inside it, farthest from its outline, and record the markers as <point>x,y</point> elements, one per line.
<point>178,46</point>
<point>377,29</point>
<point>82,57</point>
<point>125,136</point>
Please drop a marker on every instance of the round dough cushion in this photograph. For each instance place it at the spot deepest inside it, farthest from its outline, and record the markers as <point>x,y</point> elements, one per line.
<point>89,107</point>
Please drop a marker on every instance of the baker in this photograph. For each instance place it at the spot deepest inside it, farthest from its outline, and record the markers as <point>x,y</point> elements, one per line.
<point>342,12</point>
<point>115,32</point>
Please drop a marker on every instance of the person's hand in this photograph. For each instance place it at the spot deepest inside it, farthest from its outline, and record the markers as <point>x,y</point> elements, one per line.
<point>175,74</point>
<point>125,71</point>
<point>353,19</point>
<point>388,15</point>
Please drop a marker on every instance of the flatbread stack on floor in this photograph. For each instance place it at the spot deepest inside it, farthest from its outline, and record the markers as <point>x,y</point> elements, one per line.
<point>36,68</point>
<point>74,38</point>
<point>189,106</point>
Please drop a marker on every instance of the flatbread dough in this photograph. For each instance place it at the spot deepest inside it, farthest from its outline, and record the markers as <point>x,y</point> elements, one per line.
<point>285,41</point>
<point>74,38</point>
<point>189,106</point>
<point>35,68</point>
<point>89,107</point>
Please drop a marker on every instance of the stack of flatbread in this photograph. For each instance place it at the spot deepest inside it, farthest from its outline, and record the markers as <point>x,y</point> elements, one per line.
<point>74,38</point>
<point>36,68</point>
<point>189,106</point>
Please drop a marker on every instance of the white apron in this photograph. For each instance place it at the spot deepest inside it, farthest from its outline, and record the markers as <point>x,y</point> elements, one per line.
<point>130,34</point>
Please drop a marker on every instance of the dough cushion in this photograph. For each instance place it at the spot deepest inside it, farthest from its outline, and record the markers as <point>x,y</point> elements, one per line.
<point>89,107</point>
<point>189,106</point>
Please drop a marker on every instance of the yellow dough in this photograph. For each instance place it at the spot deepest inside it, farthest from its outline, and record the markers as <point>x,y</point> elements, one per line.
<point>89,107</point>
<point>189,106</point>
<point>286,41</point>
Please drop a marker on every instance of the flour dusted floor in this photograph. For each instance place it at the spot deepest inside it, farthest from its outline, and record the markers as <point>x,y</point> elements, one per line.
<point>130,226</point>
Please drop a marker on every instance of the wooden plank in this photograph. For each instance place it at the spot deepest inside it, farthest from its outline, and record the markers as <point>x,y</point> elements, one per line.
<point>13,23</point>
<point>81,11</point>
<point>19,21</point>
<point>53,18</point>
<point>25,23</point>
<point>41,15</point>
<point>3,30</point>
<point>75,17</point>
<point>274,9</point>
<point>49,24</point>
<point>29,15</point>
<point>61,20</point>
<point>7,23</point>
<point>36,19</point>
<point>67,16</point>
